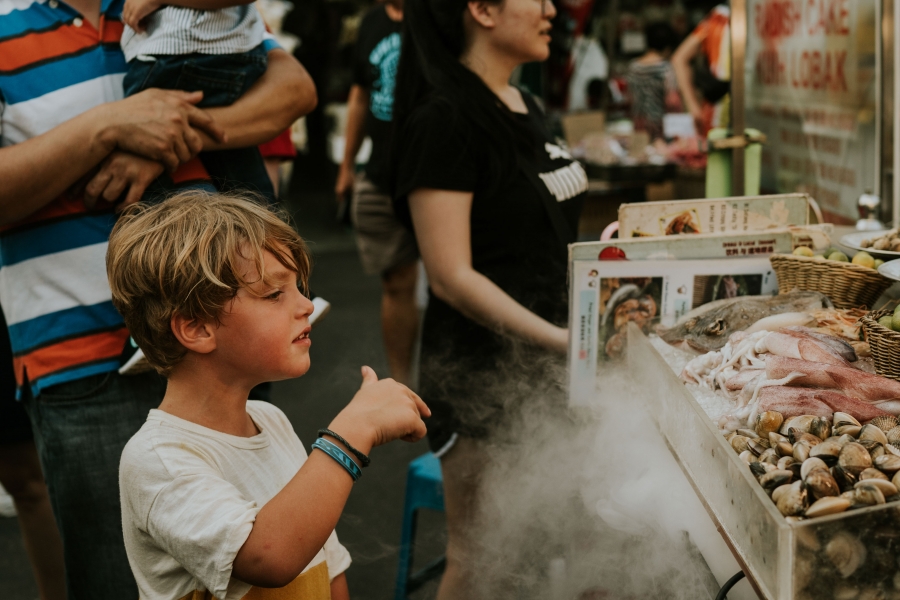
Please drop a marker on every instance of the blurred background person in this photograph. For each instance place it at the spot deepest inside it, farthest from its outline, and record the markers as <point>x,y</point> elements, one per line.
<point>651,81</point>
<point>386,247</point>
<point>705,88</point>
<point>21,475</point>
<point>494,201</point>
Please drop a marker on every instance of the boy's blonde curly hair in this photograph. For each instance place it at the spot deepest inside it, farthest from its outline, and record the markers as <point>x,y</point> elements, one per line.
<point>182,256</point>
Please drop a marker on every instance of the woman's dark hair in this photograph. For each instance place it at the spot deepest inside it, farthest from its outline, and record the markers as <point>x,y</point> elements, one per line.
<point>660,36</point>
<point>433,39</point>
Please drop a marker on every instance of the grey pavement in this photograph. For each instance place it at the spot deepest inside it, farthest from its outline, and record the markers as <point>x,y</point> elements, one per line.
<point>348,338</point>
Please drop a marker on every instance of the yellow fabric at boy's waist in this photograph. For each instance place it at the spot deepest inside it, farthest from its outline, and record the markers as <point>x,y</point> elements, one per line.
<point>311,585</point>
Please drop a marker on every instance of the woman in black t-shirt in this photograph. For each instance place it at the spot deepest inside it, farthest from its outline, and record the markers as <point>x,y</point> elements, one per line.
<point>494,201</point>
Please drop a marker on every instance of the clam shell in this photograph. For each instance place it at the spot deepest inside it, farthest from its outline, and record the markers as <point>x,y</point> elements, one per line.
<point>810,464</point>
<point>842,418</point>
<point>820,427</point>
<point>792,503</point>
<point>885,422</point>
<point>866,493</point>
<point>748,457</point>
<point>873,473</point>
<point>892,449</point>
<point>776,478</point>
<point>801,451</point>
<point>827,506</point>
<point>829,450</point>
<point>845,480</point>
<point>800,423</point>
<point>845,439</point>
<point>785,461</point>
<point>781,489</point>
<point>798,436</point>
<point>747,433</point>
<point>893,436</point>
<point>740,443</point>
<point>775,437</point>
<point>896,479</point>
<point>758,468</point>
<point>846,553</point>
<point>888,463</point>
<point>784,448</point>
<point>820,484</point>
<point>852,430</point>
<point>854,459</point>
<point>872,432</point>
<point>769,456</point>
<point>886,487</point>
<point>768,422</point>
<point>757,448</point>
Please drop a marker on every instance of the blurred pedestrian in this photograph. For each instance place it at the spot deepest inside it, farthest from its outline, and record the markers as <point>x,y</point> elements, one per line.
<point>651,81</point>
<point>704,90</point>
<point>494,200</point>
<point>21,476</point>
<point>65,123</point>
<point>386,247</point>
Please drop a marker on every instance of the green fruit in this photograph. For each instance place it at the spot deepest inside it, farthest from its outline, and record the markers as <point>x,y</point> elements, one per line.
<point>897,310</point>
<point>838,256</point>
<point>878,262</point>
<point>895,322</point>
<point>886,321</point>
<point>863,259</point>
<point>803,251</point>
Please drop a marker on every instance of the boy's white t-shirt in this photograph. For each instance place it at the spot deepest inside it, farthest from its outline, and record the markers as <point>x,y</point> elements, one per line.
<point>190,496</point>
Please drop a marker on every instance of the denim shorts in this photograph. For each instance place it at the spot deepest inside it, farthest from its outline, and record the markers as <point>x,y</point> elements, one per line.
<point>223,78</point>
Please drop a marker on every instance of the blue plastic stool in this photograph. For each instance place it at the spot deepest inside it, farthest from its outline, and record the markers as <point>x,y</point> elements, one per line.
<point>424,489</point>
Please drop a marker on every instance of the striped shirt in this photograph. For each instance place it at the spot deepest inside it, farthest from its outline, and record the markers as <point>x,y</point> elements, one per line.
<point>174,30</point>
<point>55,65</point>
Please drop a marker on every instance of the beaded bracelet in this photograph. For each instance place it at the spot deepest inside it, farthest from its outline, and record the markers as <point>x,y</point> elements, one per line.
<point>340,456</point>
<point>363,459</point>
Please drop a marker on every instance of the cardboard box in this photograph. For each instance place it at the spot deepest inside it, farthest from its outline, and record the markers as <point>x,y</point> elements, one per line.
<point>714,215</point>
<point>577,125</point>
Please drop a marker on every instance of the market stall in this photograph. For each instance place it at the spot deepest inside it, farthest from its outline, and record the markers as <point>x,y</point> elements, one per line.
<point>748,338</point>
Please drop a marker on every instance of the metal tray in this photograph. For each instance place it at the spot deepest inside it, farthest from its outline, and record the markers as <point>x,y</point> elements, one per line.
<point>782,561</point>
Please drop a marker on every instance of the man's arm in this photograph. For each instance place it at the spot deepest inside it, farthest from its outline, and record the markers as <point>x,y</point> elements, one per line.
<point>357,107</point>
<point>156,124</point>
<point>282,95</point>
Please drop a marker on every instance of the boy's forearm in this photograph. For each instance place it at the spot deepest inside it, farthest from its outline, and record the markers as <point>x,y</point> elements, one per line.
<point>282,95</point>
<point>294,525</point>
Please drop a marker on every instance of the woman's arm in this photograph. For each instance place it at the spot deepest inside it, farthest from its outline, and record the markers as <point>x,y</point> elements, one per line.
<point>357,107</point>
<point>339,589</point>
<point>681,63</point>
<point>441,221</point>
<point>282,95</point>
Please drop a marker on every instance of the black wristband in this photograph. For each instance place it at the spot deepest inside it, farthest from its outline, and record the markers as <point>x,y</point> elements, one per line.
<point>363,459</point>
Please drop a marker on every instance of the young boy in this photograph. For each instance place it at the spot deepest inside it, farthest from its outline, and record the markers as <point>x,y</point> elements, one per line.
<point>213,46</point>
<point>219,499</point>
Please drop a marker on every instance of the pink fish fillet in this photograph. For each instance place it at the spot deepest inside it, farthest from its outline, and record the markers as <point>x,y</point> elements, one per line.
<point>792,402</point>
<point>849,381</point>
<point>802,347</point>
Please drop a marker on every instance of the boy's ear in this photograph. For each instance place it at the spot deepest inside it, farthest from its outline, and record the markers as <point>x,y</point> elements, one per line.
<point>194,334</point>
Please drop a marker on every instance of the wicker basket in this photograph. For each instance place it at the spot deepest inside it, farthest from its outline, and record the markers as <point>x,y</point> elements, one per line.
<point>884,344</point>
<point>848,285</point>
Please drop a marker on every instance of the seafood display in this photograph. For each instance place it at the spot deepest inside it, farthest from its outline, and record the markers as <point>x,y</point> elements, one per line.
<point>708,327</point>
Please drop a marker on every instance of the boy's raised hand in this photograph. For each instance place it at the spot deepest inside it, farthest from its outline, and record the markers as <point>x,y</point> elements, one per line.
<point>136,11</point>
<point>380,412</point>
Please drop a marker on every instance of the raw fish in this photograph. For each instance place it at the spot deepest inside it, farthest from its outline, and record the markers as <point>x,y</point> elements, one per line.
<point>837,344</point>
<point>776,322</point>
<point>792,402</point>
<point>797,346</point>
<point>708,327</point>
<point>852,382</point>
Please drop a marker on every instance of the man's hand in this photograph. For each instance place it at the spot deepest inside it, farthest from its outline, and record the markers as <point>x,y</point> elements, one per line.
<point>344,186</point>
<point>160,125</point>
<point>121,171</point>
<point>135,11</point>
